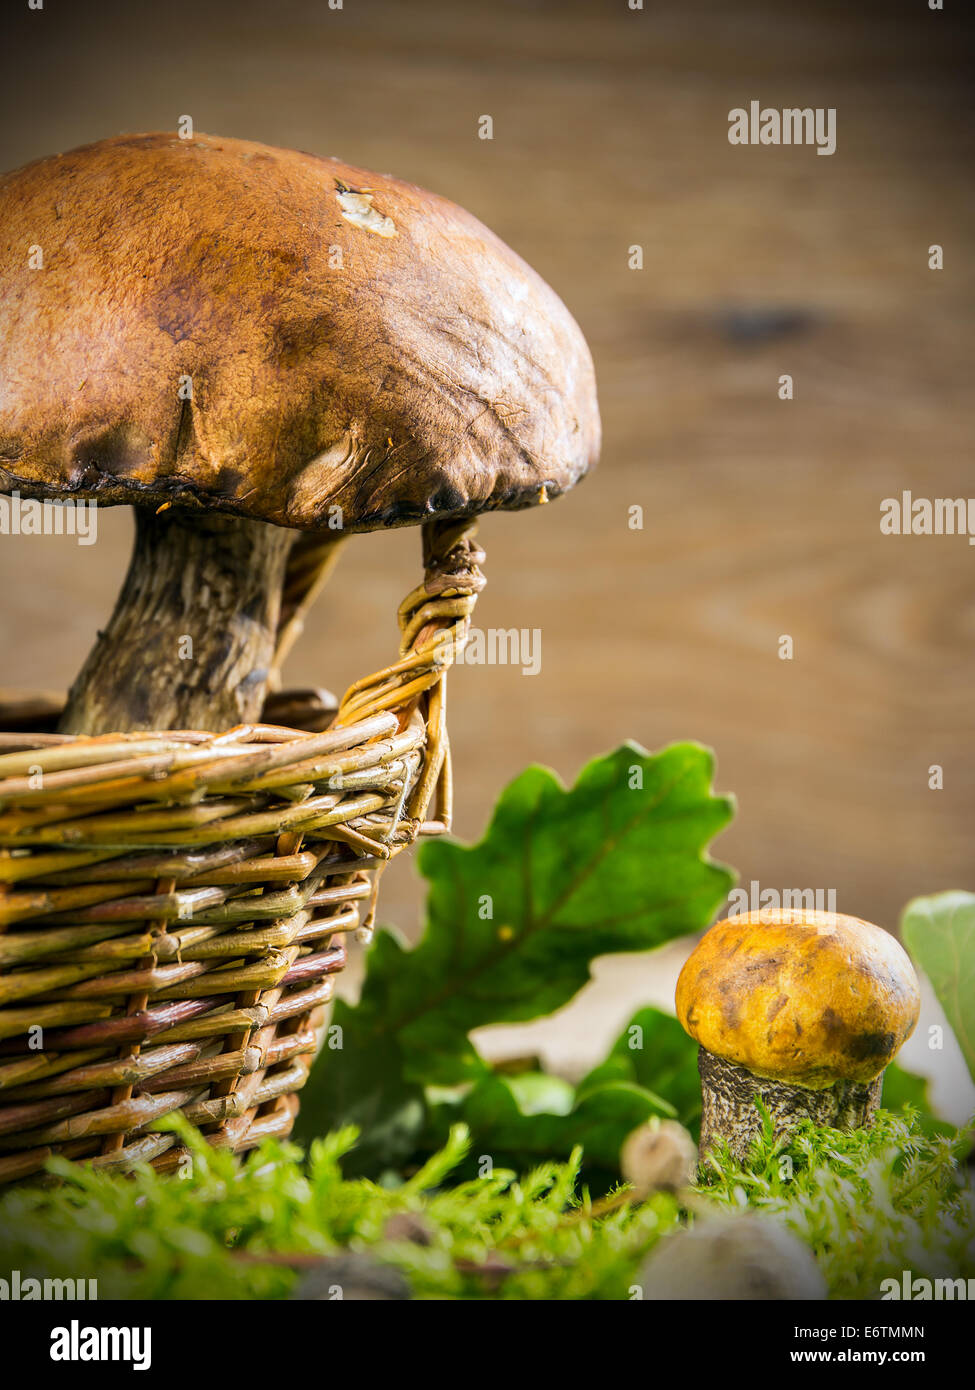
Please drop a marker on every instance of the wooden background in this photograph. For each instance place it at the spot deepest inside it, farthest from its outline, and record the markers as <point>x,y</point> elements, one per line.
<point>762,516</point>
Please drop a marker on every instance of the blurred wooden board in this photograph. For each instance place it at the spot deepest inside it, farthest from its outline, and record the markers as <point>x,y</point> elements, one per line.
<point>762,516</point>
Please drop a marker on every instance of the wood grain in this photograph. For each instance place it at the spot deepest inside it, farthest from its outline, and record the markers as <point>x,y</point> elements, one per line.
<point>761,516</point>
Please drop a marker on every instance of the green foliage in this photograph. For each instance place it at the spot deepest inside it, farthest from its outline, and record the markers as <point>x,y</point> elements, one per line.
<point>651,1070</point>
<point>904,1090</point>
<point>616,863</point>
<point>870,1203</point>
<point>654,1053</point>
<point>523,1119</point>
<point>213,1234</point>
<point>939,932</point>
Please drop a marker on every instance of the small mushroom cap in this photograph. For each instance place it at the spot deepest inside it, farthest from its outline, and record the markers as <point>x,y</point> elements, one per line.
<point>658,1156</point>
<point>216,323</point>
<point>805,997</point>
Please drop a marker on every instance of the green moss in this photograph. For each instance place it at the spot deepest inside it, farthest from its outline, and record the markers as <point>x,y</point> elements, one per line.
<point>869,1204</point>
<point>169,1237</point>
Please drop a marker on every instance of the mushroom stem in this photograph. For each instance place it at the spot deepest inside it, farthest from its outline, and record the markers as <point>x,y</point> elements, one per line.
<point>729,1112</point>
<point>191,641</point>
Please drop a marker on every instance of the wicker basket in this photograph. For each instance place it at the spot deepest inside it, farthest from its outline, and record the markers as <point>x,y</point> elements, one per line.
<point>173,906</point>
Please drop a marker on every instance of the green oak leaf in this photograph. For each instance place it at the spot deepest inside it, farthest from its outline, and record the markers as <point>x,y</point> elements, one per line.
<point>939,932</point>
<point>655,1053</point>
<point>566,876</point>
<point>618,862</point>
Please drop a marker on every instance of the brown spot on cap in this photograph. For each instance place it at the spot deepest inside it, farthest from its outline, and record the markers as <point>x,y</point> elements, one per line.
<point>776,1006</point>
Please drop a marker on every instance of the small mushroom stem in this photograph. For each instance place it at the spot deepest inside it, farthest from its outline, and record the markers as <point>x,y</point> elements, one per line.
<point>729,1112</point>
<point>191,641</point>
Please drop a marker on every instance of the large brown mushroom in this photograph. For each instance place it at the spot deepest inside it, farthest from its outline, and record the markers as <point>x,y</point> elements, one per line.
<point>243,342</point>
<point>801,1010</point>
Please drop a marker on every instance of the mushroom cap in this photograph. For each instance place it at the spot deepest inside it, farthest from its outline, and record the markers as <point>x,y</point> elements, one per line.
<point>348,340</point>
<point>800,996</point>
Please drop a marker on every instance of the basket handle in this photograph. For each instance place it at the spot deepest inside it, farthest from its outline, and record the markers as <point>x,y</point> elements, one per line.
<point>434,621</point>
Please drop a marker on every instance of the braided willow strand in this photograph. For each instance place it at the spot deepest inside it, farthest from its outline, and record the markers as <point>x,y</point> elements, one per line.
<point>434,621</point>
